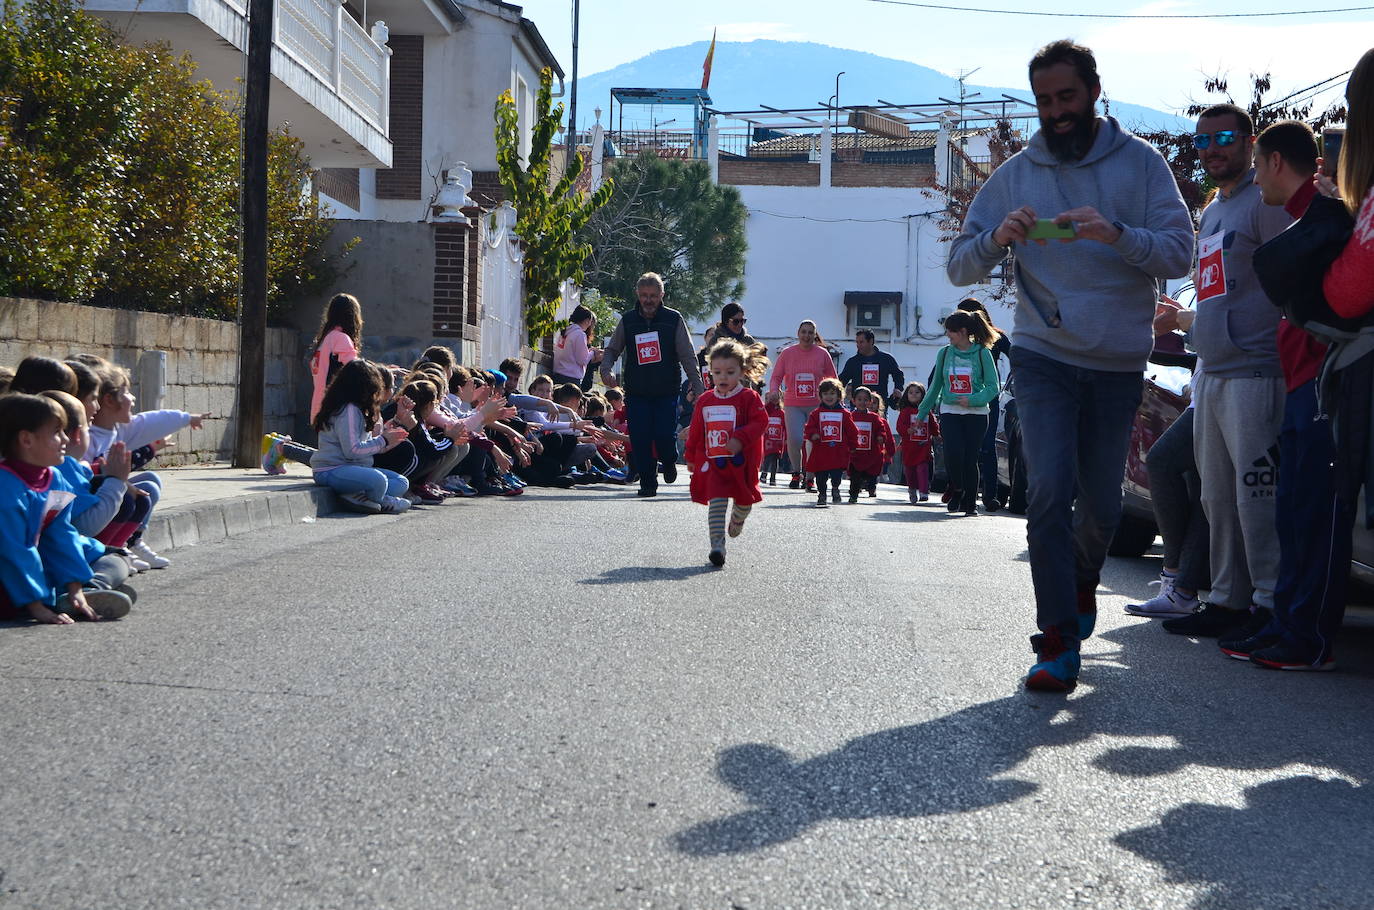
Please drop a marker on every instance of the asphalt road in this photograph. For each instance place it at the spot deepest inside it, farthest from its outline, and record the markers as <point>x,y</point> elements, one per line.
<point>554,702</point>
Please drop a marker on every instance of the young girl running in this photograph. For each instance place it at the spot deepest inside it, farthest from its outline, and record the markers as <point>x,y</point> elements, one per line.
<point>965,381</point>
<point>351,432</point>
<point>725,441</point>
<point>774,439</point>
<point>873,445</point>
<point>830,432</point>
<point>915,438</point>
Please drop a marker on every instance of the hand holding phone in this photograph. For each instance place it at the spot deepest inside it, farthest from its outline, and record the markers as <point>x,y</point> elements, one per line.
<point>1332,139</point>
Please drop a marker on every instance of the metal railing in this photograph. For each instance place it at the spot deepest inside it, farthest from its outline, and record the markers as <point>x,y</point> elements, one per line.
<point>322,37</point>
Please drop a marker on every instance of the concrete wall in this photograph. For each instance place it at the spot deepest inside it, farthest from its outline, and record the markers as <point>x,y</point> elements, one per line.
<point>201,364</point>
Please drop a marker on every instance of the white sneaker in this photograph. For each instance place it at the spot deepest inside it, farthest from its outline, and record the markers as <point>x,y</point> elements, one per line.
<point>392,504</point>
<point>358,502</point>
<point>145,553</point>
<point>1168,602</point>
<point>136,565</point>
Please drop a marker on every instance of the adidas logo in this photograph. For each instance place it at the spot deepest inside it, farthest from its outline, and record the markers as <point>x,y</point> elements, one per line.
<point>1264,473</point>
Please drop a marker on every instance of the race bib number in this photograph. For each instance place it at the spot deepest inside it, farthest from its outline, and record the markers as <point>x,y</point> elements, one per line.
<point>870,375</point>
<point>832,426</point>
<point>863,435</point>
<point>806,385</point>
<point>1211,267</point>
<point>960,380</point>
<point>720,425</point>
<point>918,431</point>
<point>775,431</point>
<point>647,348</point>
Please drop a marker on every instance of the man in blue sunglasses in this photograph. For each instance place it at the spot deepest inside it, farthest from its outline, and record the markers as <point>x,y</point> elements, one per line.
<point>1082,330</point>
<point>1240,403</point>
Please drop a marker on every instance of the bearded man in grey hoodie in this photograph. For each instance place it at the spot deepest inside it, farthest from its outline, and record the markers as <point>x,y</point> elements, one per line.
<point>1085,305</point>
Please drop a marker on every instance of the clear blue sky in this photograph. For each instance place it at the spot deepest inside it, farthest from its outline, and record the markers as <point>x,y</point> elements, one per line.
<point>1156,63</point>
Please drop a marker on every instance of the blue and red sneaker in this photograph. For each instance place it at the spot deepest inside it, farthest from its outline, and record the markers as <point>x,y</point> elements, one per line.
<point>1057,667</point>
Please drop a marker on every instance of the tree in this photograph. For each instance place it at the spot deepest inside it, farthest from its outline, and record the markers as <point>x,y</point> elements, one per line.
<point>119,180</point>
<point>549,217</point>
<point>966,178</point>
<point>1177,148</point>
<point>667,216</point>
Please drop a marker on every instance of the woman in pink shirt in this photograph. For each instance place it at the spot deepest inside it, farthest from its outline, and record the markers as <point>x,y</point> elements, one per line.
<point>798,372</point>
<point>571,353</point>
<point>338,341</point>
<point>1349,283</point>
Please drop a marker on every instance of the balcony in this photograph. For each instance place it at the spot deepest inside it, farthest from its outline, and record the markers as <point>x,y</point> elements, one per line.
<point>330,77</point>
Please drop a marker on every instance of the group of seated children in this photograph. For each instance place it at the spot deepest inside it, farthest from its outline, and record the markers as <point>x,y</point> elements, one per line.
<point>72,509</point>
<point>390,438</point>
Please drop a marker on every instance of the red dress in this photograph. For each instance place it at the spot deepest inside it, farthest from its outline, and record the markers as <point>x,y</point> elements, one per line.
<point>836,429</point>
<point>916,436</point>
<point>775,436</point>
<point>872,442</point>
<point>715,421</point>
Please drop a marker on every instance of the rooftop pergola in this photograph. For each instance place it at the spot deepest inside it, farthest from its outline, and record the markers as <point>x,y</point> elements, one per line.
<point>966,114</point>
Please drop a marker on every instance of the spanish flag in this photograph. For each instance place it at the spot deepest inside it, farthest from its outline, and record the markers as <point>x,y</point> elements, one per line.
<point>706,66</point>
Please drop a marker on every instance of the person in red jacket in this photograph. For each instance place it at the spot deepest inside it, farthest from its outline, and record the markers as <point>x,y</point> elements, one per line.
<point>872,444</point>
<point>830,433</point>
<point>725,441</point>
<point>774,439</point>
<point>915,438</point>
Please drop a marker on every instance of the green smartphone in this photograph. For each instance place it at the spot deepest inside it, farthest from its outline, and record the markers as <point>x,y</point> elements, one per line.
<point>1045,229</point>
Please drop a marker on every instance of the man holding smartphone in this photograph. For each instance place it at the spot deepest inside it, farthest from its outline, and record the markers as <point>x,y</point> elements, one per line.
<point>1085,304</point>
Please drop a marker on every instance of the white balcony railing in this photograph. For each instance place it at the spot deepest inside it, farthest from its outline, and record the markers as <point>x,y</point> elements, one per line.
<point>320,36</point>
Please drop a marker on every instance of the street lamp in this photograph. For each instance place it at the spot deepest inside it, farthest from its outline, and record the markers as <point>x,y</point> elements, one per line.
<point>835,98</point>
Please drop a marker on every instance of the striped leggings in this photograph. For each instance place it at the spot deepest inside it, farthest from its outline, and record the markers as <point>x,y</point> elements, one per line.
<point>715,521</point>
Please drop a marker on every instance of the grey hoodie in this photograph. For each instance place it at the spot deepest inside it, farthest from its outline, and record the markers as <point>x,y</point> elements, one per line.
<point>1084,303</point>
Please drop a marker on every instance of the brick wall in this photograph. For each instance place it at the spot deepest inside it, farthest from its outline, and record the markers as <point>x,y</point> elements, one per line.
<point>769,173</point>
<point>450,284</point>
<point>859,174</point>
<point>403,179</point>
<point>340,183</point>
<point>201,364</point>
<point>487,190</point>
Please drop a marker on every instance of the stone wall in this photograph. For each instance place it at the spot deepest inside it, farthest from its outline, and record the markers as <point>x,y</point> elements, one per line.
<point>176,362</point>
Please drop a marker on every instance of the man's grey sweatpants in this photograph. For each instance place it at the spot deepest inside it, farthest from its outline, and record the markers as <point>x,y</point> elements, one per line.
<point>1235,439</point>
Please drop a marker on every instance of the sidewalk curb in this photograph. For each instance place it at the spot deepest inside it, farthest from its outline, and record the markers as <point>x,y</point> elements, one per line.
<point>220,519</point>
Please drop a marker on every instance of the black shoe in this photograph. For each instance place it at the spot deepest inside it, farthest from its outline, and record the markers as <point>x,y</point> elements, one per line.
<point>1242,648</point>
<point>835,494</point>
<point>717,558</point>
<point>992,505</point>
<point>854,498</point>
<point>970,513</point>
<point>821,501</point>
<point>1209,621</point>
<point>669,471</point>
<point>953,506</point>
<point>810,484</point>
<point>563,481</point>
<point>1283,656</point>
<point>795,483</point>
<point>647,491</point>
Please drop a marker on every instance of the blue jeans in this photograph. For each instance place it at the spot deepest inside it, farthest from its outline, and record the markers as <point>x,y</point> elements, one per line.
<point>1314,530</point>
<point>1075,427</point>
<point>374,483</point>
<point>653,434</point>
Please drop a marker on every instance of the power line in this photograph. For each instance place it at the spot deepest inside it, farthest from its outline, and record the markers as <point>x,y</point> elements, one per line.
<point>1308,89</point>
<point>1022,12</point>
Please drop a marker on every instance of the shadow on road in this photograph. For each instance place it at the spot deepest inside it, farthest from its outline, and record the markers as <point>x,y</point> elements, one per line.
<point>637,574</point>
<point>1301,840</point>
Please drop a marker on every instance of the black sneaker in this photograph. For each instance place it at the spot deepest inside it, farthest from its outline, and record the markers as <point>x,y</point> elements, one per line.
<point>970,513</point>
<point>820,500</point>
<point>795,483</point>
<point>1243,648</point>
<point>647,491</point>
<point>953,506</point>
<point>669,471</point>
<point>992,505</point>
<point>854,498</point>
<point>1283,656</point>
<point>1209,621</point>
<point>834,494</point>
<point>717,558</point>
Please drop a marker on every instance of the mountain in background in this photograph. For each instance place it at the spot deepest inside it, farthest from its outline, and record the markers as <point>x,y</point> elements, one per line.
<point>797,74</point>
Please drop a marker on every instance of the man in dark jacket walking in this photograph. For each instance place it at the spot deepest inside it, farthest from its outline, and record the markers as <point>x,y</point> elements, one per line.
<point>873,369</point>
<point>658,350</point>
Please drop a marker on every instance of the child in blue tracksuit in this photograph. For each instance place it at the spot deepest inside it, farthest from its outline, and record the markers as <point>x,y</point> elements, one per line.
<point>40,552</point>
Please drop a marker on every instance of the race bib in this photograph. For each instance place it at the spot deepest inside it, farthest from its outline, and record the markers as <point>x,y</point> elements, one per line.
<point>720,425</point>
<point>647,348</point>
<point>1211,267</point>
<point>870,375</point>
<point>57,501</point>
<point>960,380</point>
<point>776,432</point>
<point>863,435</point>
<point>918,431</point>
<point>806,385</point>
<point>706,378</point>
<point>832,426</point>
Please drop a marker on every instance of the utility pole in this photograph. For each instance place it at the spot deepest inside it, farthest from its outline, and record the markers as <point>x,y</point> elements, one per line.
<point>253,222</point>
<point>572,100</point>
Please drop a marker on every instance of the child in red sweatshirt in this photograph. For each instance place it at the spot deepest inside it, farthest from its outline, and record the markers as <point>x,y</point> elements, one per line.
<point>915,439</point>
<point>724,448</point>
<point>774,439</point>
<point>873,445</point>
<point>830,434</point>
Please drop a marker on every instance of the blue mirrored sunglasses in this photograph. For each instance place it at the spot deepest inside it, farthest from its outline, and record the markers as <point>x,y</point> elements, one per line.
<point>1223,137</point>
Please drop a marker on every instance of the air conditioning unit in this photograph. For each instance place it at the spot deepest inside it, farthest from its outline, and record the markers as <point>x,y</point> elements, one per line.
<point>875,310</point>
